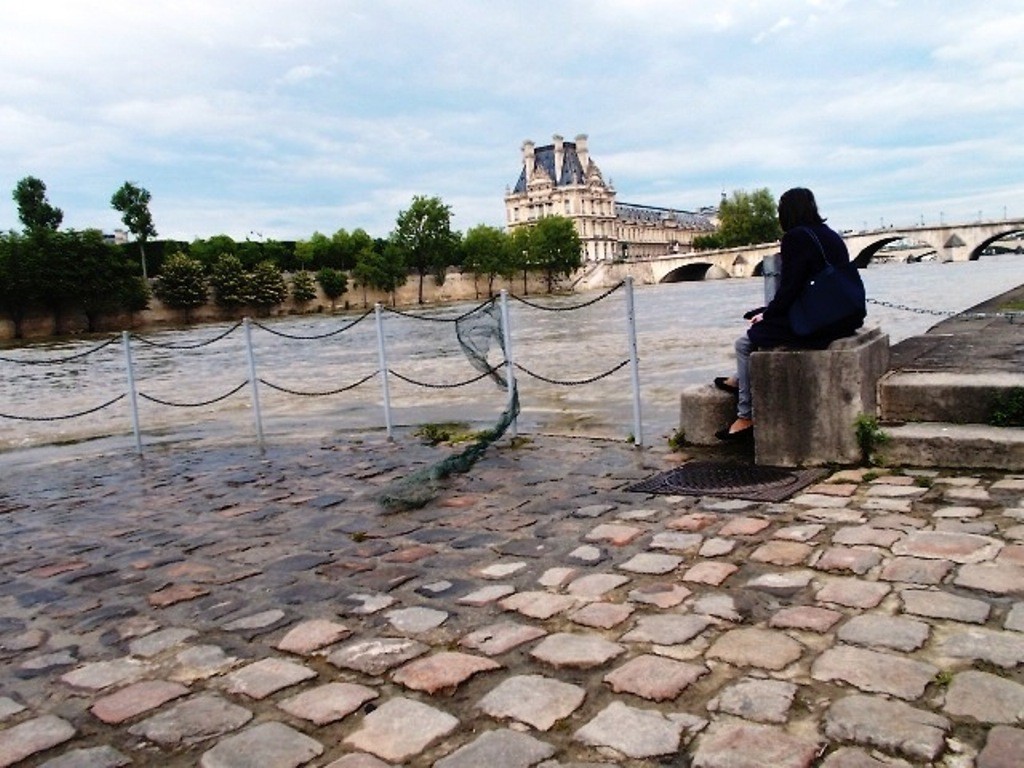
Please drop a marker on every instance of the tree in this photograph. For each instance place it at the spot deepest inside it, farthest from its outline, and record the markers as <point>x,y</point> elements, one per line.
<point>334,283</point>
<point>277,252</point>
<point>135,295</point>
<point>34,211</point>
<point>317,252</point>
<point>58,271</point>
<point>133,203</point>
<point>381,267</point>
<point>230,283</point>
<point>266,286</point>
<point>303,288</point>
<point>18,279</point>
<point>423,234</point>
<point>182,283</point>
<point>103,277</point>
<point>518,252</point>
<point>485,254</point>
<point>208,252</point>
<point>747,218</point>
<point>358,240</point>
<point>250,253</point>
<point>556,248</point>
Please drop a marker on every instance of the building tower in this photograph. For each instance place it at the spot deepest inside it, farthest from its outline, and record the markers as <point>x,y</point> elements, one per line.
<point>562,179</point>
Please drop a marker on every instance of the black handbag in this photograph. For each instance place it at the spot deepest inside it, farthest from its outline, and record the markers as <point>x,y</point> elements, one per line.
<point>830,296</point>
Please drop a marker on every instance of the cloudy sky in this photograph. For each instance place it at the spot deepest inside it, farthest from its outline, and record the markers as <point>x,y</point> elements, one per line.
<point>278,118</point>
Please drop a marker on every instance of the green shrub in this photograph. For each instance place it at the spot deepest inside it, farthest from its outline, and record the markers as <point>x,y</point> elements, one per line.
<point>182,283</point>
<point>446,432</point>
<point>1008,408</point>
<point>303,287</point>
<point>266,286</point>
<point>334,283</point>
<point>677,440</point>
<point>869,437</point>
<point>230,282</point>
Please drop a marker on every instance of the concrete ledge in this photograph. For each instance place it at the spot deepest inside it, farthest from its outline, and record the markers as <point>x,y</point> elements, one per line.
<point>953,445</point>
<point>944,396</point>
<point>806,402</point>
<point>703,410</point>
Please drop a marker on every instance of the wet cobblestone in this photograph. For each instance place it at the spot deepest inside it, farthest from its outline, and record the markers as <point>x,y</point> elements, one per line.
<point>218,606</point>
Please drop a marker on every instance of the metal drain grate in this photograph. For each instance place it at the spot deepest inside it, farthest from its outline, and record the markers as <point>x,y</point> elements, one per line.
<point>732,481</point>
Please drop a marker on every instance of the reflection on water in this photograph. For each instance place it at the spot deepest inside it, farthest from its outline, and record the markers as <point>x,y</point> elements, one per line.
<point>685,333</point>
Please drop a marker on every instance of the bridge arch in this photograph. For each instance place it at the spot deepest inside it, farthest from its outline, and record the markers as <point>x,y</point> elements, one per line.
<point>949,242</point>
<point>984,244</point>
<point>688,273</point>
<point>867,253</point>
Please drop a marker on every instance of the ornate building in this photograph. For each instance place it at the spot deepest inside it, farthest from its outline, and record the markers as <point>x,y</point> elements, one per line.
<point>561,179</point>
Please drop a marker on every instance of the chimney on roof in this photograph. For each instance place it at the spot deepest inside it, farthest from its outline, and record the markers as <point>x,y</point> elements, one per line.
<point>559,152</point>
<point>528,159</point>
<point>582,151</point>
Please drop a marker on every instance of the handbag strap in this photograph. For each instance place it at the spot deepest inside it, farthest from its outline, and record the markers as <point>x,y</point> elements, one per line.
<point>817,242</point>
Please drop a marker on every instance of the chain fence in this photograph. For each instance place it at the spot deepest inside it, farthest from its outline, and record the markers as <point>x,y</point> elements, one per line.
<point>200,404</point>
<point>191,345</point>
<point>1011,317</point>
<point>480,331</point>
<point>326,393</point>
<point>66,416</point>
<point>61,360</point>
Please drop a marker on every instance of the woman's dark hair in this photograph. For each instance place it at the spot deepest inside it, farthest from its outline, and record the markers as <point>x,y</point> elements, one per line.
<point>798,209</point>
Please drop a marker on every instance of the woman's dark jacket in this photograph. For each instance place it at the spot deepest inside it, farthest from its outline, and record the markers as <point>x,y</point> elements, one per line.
<point>802,260</point>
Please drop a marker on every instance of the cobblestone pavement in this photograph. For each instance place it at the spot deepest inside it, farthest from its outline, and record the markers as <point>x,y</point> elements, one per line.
<point>214,606</point>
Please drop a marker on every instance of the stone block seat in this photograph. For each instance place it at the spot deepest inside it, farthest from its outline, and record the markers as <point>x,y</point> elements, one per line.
<point>703,410</point>
<point>806,402</point>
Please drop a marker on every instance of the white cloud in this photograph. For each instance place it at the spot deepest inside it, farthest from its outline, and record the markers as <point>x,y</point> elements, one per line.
<point>778,27</point>
<point>321,114</point>
<point>302,73</point>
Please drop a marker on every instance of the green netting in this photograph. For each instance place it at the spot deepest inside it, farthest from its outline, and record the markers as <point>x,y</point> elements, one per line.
<point>477,332</point>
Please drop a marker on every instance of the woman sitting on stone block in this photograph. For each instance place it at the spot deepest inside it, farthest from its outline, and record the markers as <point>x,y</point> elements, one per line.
<point>807,243</point>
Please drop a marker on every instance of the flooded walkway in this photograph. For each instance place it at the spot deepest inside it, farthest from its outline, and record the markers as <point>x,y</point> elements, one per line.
<point>222,607</point>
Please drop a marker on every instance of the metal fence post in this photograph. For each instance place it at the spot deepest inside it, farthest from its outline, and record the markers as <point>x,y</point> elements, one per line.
<point>634,363</point>
<point>253,381</point>
<point>510,371</point>
<point>132,397</point>
<point>383,362</point>
<point>772,269</point>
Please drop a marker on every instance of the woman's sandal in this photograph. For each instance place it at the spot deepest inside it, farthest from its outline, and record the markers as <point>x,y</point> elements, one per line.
<point>722,383</point>
<point>739,436</point>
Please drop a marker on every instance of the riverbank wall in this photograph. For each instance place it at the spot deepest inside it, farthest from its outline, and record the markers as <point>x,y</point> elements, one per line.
<point>457,287</point>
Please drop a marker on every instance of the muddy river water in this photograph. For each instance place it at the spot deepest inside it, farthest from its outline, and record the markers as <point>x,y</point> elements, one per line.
<point>684,336</point>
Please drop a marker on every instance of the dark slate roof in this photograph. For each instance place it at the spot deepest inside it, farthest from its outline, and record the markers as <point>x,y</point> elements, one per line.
<point>571,172</point>
<point>653,214</point>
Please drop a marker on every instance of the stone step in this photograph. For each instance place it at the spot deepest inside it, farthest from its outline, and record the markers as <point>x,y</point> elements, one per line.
<point>938,444</point>
<point>942,396</point>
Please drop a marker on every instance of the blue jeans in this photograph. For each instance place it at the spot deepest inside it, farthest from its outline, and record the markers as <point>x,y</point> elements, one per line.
<point>744,346</point>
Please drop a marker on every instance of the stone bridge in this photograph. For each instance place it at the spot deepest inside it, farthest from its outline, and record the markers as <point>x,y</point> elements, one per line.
<point>950,242</point>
